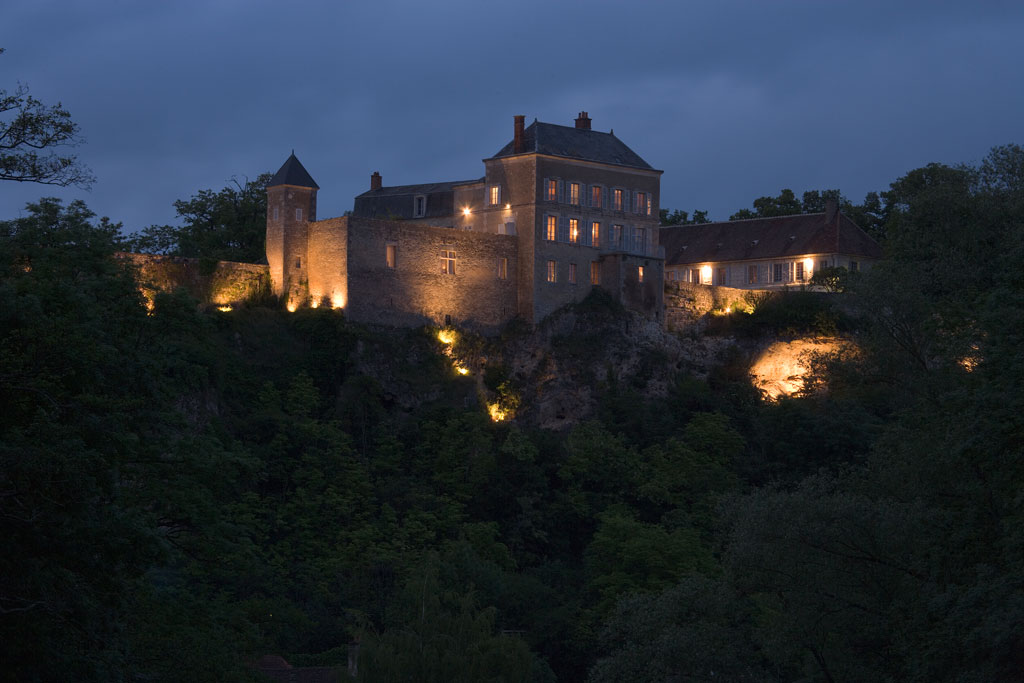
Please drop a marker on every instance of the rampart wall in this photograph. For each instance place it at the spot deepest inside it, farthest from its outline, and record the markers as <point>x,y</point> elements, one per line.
<point>218,282</point>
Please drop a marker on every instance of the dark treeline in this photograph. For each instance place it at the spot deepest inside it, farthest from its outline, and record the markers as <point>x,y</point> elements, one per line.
<point>182,491</point>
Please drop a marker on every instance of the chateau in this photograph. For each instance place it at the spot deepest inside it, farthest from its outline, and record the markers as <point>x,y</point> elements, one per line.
<point>559,210</point>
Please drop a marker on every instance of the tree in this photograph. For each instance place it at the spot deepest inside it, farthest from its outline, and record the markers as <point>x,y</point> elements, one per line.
<point>29,130</point>
<point>228,225</point>
<point>680,217</point>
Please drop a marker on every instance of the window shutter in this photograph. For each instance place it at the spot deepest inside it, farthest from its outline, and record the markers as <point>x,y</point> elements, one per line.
<point>544,190</point>
<point>604,197</point>
<point>561,191</point>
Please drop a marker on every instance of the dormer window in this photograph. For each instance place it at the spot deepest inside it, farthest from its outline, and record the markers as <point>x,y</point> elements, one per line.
<point>419,206</point>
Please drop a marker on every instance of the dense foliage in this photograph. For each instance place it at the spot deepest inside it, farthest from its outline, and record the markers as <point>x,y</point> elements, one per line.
<point>182,491</point>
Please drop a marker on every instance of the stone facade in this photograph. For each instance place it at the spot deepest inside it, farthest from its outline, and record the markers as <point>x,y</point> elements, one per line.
<point>222,282</point>
<point>559,210</point>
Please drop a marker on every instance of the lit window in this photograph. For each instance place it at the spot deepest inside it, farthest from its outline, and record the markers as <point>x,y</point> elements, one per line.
<point>503,268</point>
<point>670,275</point>
<point>448,262</point>
<point>617,200</point>
<point>390,252</point>
<point>572,273</point>
<point>495,195</point>
<point>419,206</point>
<point>574,193</point>
<point>275,212</point>
<point>552,271</point>
<point>640,202</point>
<point>650,201</point>
<point>595,196</point>
<point>595,273</point>
<point>595,234</point>
<point>298,214</point>
<point>640,273</point>
<point>799,271</point>
<point>552,190</point>
<point>574,230</point>
<point>751,275</point>
<point>552,227</point>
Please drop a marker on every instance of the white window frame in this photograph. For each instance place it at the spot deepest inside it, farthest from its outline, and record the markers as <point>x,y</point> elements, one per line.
<point>448,261</point>
<point>552,273</point>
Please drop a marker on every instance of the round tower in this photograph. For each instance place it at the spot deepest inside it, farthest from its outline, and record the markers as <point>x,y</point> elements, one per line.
<point>291,206</point>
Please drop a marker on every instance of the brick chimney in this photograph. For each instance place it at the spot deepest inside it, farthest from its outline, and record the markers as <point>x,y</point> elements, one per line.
<point>375,181</point>
<point>831,210</point>
<point>583,121</point>
<point>518,145</point>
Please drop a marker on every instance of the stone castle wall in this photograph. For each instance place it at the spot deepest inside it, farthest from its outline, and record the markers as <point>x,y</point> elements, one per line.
<point>220,282</point>
<point>415,291</point>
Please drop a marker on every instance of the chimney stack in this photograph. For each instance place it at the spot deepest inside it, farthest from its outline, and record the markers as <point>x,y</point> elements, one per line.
<point>583,121</point>
<point>518,145</point>
<point>375,181</point>
<point>831,210</point>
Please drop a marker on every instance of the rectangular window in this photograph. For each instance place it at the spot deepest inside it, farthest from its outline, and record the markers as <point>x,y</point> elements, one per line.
<point>721,276</point>
<point>574,230</point>
<point>574,193</point>
<point>495,195</point>
<point>617,200</point>
<point>572,273</point>
<point>799,271</point>
<point>695,276</point>
<point>298,214</point>
<point>854,266</point>
<point>616,237</point>
<point>552,271</point>
<point>419,206</point>
<point>650,201</point>
<point>822,264</point>
<point>275,212</point>
<point>510,228</point>
<point>298,262</point>
<point>552,228</point>
<point>641,240</point>
<point>778,272</point>
<point>551,192</point>
<point>595,196</point>
<point>751,275</point>
<point>639,273</point>
<point>640,202</point>
<point>390,252</point>
<point>503,268</point>
<point>595,273</point>
<point>595,234</point>
<point>448,262</point>
<point>670,275</point>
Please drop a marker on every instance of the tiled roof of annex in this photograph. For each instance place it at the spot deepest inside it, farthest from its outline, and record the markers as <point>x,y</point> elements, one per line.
<point>757,239</point>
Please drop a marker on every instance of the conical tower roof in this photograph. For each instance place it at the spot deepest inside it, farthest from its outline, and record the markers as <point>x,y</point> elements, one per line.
<point>292,172</point>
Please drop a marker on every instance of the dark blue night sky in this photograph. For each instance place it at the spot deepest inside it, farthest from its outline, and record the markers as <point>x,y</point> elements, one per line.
<point>732,100</point>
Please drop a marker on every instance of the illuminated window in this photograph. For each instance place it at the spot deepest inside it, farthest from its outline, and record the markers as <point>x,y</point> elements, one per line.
<point>639,273</point>
<point>298,214</point>
<point>448,262</point>
<point>670,275</point>
<point>574,193</point>
<point>595,196</point>
<point>595,234</point>
<point>552,271</point>
<point>751,275</point>
<point>419,206</point>
<point>574,230</point>
<point>552,190</point>
<point>595,273</point>
<point>572,273</point>
<point>503,268</point>
<point>617,200</point>
<point>639,202</point>
<point>390,254</point>
<point>799,271</point>
<point>552,228</point>
<point>495,195</point>
<point>650,201</point>
<point>275,212</point>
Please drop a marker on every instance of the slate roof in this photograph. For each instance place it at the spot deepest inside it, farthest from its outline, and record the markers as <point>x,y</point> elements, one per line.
<point>292,172</point>
<point>423,188</point>
<point>575,143</point>
<point>757,239</point>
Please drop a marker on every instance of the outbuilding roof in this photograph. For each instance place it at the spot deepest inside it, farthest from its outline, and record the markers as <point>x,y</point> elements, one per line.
<point>422,188</point>
<point>292,172</point>
<point>575,143</point>
<point>757,239</point>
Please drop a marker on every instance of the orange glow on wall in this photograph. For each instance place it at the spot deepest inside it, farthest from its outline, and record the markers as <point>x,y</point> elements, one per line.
<point>465,211</point>
<point>337,300</point>
<point>780,369</point>
<point>292,306</point>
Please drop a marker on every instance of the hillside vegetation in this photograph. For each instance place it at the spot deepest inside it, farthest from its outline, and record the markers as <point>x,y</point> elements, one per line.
<point>185,490</point>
